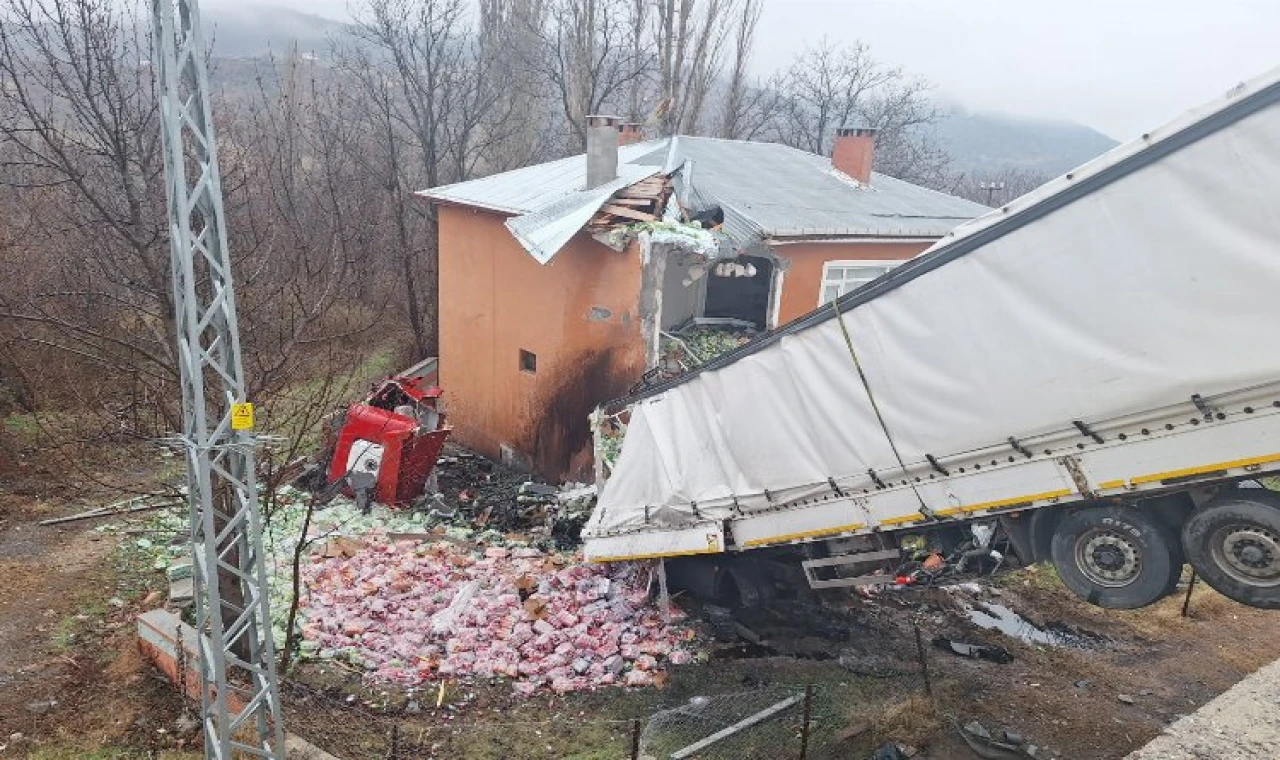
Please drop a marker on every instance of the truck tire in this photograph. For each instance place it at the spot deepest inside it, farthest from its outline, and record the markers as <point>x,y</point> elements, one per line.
<point>1233,542</point>
<point>1116,557</point>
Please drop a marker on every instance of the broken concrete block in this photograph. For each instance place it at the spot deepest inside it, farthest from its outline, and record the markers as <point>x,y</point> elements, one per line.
<point>174,647</point>
<point>182,591</point>
<point>179,571</point>
<point>974,728</point>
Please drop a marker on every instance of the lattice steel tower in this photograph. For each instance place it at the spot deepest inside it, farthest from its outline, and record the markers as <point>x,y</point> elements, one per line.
<point>239,696</point>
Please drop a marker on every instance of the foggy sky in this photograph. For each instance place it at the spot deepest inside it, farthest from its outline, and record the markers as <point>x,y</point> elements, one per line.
<point>1120,66</point>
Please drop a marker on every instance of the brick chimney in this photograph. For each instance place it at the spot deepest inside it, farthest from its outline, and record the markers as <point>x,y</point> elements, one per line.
<point>602,150</point>
<point>630,133</point>
<point>854,152</point>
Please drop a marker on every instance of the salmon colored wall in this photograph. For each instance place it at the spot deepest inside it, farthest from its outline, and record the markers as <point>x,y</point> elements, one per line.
<point>495,300</point>
<point>803,280</point>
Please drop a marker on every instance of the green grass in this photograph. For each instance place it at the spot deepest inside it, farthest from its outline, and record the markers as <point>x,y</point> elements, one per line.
<point>74,631</point>
<point>1043,576</point>
<point>292,412</point>
<point>23,428</point>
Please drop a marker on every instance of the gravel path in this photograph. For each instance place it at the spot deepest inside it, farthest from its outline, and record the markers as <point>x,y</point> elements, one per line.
<point>1243,723</point>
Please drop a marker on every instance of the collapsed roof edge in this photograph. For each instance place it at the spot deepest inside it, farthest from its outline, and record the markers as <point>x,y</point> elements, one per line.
<point>1238,103</point>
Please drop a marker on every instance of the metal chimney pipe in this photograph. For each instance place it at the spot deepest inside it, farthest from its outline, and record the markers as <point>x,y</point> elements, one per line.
<point>602,150</point>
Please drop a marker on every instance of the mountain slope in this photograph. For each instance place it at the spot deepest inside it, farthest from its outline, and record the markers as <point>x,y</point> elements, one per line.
<point>988,143</point>
<point>251,31</point>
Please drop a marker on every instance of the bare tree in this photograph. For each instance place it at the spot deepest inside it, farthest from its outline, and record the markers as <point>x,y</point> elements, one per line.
<point>80,138</point>
<point>307,208</point>
<point>737,98</point>
<point>410,56</point>
<point>515,131</point>
<point>832,86</point>
<point>591,58</point>
<point>86,314</point>
<point>996,186</point>
<point>693,39</point>
<point>637,100</point>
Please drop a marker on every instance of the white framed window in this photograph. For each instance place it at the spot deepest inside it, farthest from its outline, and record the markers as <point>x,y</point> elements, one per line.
<point>840,277</point>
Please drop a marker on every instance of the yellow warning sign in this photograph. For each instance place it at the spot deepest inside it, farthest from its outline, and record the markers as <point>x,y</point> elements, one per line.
<point>242,416</point>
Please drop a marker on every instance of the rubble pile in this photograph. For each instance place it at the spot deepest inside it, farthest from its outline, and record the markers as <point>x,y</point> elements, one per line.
<point>409,612</point>
<point>488,494</point>
<point>698,344</point>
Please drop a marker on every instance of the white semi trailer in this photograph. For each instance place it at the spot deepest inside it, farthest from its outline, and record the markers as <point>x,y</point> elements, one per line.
<point>1095,367</point>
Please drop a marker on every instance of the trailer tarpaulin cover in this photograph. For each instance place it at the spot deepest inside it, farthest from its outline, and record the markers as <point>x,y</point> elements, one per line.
<point>1147,276</point>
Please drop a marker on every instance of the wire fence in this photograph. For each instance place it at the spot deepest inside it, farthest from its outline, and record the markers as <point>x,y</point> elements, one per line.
<point>773,722</point>
<point>770,722</point>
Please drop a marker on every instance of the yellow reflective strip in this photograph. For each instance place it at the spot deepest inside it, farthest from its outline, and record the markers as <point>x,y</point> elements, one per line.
<point>658,555</point>
<point>804,534</point>
<point>905,519</point>
<point>1206,468</point>
<point>1111,484</point>
<point>1018,500</point>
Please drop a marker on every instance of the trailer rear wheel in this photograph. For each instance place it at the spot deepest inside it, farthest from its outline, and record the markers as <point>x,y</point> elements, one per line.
<point>1233,542</point>
<point>1118,558</point>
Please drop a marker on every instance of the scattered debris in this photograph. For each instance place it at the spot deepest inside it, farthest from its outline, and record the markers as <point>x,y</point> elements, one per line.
<point>978,651</point>
<point>1126,698</point>
<point>408,613</point>
<point>346,547</point>
<point>892,751</point>
<point>643,201</point>
<point>699,341</point>
<point>182,584</point>
<point>1007,745</point>
<point>148,503</point>
<point>40,707</point>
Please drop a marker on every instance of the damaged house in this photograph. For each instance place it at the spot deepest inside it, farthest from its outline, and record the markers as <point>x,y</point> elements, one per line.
<point>563,284</point>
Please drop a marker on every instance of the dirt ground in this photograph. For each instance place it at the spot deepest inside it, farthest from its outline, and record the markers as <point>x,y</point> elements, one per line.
<point>73,686</point>
<point>1123,677</point>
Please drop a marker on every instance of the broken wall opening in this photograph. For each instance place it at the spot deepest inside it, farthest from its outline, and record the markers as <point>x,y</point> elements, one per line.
<point>684,288</point>
<point>740,289</point>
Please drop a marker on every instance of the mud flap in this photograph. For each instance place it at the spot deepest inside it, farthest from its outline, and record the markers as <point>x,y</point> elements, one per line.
<point>1018,528</point>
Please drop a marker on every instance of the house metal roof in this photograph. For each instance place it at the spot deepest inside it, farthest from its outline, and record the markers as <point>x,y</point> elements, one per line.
<point>1236,104</point>
<point>769,192</point>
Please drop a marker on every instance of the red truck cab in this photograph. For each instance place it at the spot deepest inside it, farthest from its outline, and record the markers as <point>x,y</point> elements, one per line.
<point>393,438</point>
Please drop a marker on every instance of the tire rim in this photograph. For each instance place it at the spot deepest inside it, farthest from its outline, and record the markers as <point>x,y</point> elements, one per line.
<point>1248,553</point>
<point>1108,558</point>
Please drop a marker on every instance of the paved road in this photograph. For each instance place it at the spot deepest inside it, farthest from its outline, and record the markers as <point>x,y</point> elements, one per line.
<point>1242,723</point>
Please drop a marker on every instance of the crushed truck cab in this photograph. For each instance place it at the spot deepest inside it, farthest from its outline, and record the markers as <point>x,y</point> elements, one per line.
<point>389,443</point>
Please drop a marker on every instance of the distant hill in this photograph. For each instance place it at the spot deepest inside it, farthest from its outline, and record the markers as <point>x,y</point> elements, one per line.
<point>252,31</point>
<point>987,143</point>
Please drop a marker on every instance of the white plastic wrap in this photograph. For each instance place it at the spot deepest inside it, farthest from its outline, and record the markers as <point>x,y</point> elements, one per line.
<point>1160,284</point>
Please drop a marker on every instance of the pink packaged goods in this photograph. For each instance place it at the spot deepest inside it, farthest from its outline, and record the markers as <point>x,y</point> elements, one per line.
<point>409,613</point>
